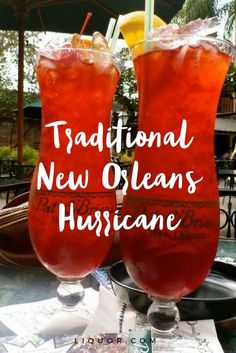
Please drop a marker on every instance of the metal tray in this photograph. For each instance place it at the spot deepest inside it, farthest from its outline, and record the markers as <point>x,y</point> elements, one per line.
<point>214,299</point>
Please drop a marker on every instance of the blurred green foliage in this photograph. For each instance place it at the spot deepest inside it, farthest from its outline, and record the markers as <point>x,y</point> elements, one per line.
<point>8,102</point>
<point>9,73</point>
<point>230,82</point>
<point>30,154</point>
<point>126,93</point>
<point>9,59</point>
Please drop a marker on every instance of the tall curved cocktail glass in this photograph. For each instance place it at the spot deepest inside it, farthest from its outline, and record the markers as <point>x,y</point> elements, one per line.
<point>179,88</point>
<point>77,88</point>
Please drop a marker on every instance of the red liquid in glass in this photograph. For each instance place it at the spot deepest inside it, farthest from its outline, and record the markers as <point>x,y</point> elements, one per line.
<point>78,87</point>
<point>184,83</point>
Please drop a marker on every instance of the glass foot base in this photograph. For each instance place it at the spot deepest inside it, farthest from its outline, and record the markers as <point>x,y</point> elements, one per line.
<point>163,317</point>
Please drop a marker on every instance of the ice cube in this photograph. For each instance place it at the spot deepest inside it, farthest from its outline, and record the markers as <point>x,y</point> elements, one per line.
<point>48,53</point>
<point>164,31</point>
<point>198,27</point>
<point>51,69</point>
<point>204,28</point>
<point>201,27</point>
<point>99,42</point>
<point>86,56</point>
<point>208,45</point>
<point>180,58</point>
<point>76,41</point>
<point>107,61</point>
<point>166,37</point>
<point>169,36</point>
<point>47,64</point>
<point>103,59</point>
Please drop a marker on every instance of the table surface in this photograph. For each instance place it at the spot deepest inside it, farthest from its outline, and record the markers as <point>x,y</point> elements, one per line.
<point>24,285</point>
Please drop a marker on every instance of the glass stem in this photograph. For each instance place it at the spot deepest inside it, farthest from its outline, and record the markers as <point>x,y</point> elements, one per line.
<point>163,316</point>
<point>70,293</point>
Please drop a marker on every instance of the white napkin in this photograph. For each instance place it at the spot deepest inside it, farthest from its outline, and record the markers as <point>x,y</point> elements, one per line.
<point>45,317</point>
<point>111,315</point>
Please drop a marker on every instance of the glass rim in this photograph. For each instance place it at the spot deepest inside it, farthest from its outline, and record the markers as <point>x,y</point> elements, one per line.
<point>61,48</point>
<point>230,48</point>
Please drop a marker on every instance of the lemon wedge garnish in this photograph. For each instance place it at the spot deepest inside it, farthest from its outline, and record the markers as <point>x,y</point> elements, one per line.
<point>83,41</point>
<point>87,40</point>
<point>132,26</point>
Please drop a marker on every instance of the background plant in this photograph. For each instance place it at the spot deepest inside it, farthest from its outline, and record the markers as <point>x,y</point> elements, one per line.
<point>30,154</point>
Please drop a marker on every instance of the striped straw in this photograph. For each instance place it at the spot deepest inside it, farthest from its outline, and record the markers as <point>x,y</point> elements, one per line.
<point>110,28</point>
<point>116,34</point>
<point>149,14</point>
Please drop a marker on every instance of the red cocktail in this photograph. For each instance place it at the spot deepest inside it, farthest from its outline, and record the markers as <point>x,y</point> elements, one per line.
<point>77,88</point>
<point>179,90</point>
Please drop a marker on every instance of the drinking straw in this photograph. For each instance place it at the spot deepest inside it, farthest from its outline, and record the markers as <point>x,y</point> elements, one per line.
<point>116,34</point>
<point>110,28</point>
<point>89,15</point>
<point>149,13</point>
<point>221,30</point>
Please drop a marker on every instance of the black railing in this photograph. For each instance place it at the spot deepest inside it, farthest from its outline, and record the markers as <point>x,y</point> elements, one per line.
<point>7,168</point>
<point>225,164</point>
<point>228,215</point>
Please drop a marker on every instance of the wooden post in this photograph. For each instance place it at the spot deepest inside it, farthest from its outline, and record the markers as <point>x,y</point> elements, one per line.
<point>234,101</point>
<point>234,31</point>
<point>20,114</point>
